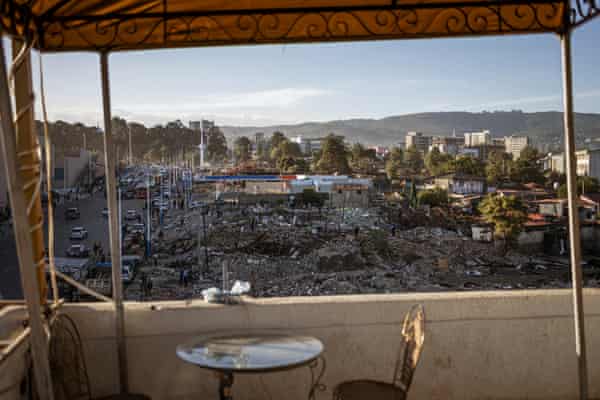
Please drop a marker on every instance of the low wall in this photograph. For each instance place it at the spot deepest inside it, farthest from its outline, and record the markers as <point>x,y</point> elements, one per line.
<point>479,345</point>
<point>13,367</point>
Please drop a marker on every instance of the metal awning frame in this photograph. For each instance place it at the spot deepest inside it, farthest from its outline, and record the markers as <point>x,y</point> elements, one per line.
<point>115,31</point>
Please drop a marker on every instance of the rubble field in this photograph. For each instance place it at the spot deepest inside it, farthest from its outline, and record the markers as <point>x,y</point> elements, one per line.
<point>303,252</point>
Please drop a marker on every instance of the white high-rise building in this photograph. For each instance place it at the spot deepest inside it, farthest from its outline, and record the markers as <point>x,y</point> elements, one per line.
<point>515,144</point>
<point>473,139</point>
<point>418,140</point>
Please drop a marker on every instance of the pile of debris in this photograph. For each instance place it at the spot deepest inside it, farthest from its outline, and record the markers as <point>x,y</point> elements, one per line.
<point>345,252</point>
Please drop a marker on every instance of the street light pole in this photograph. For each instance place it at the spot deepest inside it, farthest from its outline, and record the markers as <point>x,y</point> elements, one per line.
<point>130,151</point>
<point>148,219</point>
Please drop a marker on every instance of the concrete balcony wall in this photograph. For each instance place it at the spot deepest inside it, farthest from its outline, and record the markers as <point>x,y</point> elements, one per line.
<point>13,367</point>
<point>484,345</point>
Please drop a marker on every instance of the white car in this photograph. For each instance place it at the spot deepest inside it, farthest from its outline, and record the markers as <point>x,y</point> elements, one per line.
<point>105,212</point>
<point>131,215</point>
<point>78,233</point>
<point>126,274</point>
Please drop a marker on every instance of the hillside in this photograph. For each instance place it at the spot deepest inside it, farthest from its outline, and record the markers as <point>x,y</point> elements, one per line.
<point>544,128</point>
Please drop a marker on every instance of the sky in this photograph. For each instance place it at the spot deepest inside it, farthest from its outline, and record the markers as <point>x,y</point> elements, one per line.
<point>282,84</point>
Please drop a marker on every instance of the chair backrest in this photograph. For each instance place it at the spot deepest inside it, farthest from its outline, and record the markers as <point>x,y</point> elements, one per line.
<point>413,336</point>
<point>67,363</point>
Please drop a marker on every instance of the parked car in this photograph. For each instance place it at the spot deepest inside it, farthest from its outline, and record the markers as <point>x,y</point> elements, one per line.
<point>78,251</point>
<point>78,233</point>
<point>196,204</point>
<point>126,274</point>
<point>72,213</point>
<point>105,212</point>
<point>136,228</point>
<point>131,215</point>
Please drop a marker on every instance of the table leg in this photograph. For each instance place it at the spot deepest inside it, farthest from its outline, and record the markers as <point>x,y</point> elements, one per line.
<point>315,377</point>
<point>225,385</point>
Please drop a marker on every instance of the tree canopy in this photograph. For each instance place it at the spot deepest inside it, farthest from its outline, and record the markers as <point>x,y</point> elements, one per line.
<point>242,149</point>
<point>413,160</point>
<point>394,162</point>
<point>438,163</point>
<point>334,156</point>
<point>585,184</point>
<point>467,165</point>
<point>508,214</point>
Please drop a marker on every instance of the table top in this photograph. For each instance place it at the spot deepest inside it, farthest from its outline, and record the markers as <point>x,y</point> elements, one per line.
<point>251,352</point>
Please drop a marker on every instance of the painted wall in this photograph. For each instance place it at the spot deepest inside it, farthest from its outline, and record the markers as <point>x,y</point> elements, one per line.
<point>479,345</point>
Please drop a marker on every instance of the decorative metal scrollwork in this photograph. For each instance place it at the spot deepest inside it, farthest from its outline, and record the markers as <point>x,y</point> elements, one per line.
<point>280,26</point>
<point>152,29</point>
<point>584,10</point>
<point>315,378</point>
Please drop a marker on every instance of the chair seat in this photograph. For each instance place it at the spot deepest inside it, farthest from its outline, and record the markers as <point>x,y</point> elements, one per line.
<point>368,390</point>
<point>125,396</point>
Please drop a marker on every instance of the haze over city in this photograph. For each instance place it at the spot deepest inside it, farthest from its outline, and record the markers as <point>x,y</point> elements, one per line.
<point>281,84</point>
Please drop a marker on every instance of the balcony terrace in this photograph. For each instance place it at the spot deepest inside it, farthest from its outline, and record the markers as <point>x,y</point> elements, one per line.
<point>478,345</point>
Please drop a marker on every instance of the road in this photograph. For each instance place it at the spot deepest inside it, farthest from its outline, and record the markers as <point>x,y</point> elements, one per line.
<point>91,219</point>
<point>10,283</point>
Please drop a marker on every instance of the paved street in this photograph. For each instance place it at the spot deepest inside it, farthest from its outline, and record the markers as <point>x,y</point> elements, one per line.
<point>10,284</point>
<point>91,219</point>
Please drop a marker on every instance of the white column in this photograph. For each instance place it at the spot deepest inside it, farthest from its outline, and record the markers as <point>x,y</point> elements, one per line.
<point>27,267</point>
<point>574,233</point>
<point>114,228</point>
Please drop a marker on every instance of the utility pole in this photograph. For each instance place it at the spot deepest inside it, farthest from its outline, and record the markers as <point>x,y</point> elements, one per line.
<point>204,211</point>
<point>130,150</point>
<point>148,218</point>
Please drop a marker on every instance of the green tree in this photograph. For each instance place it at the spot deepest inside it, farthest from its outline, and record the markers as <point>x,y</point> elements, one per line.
<point>286,148</point>
<point>216,147</point>
<point>466,165</point>
<point>276,138</point>
<point>394,162</point>
<point>433,197</point>
<point>585,184</point>
<point>288,157</point>
<point>438,163</point>
<point>531,154</point>
<point>334,157</point>
<point>507,213</point>
<point>525,171</point>
<point>362,159</point>
<point>526,168</point>
<point>242,149</point>
<point>413,160</point>
<point>498,167</point>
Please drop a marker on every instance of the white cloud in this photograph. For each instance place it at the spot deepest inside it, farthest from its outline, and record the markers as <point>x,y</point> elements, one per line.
<point>263,107</point>
<point>263,99</point>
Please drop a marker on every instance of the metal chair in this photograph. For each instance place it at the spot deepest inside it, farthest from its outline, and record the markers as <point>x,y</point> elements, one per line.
<point>413,336</point>
<point>70,378</point>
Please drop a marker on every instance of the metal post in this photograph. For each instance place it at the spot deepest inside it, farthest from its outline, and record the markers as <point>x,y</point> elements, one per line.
<point>574,233</point>
<point>24,245</point>
<point>114,228</point>
<point>130,150</point>
<point>148,218</point>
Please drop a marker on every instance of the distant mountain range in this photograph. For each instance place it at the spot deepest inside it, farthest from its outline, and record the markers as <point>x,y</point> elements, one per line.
<point>545,129</point>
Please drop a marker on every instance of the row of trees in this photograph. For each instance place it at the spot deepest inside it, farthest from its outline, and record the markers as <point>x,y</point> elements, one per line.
<point>161,142</point>
<point>285,155</point>
<point>498,167</point>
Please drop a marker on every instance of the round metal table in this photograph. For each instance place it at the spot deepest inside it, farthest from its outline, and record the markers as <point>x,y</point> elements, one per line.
<point>255,353</point>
